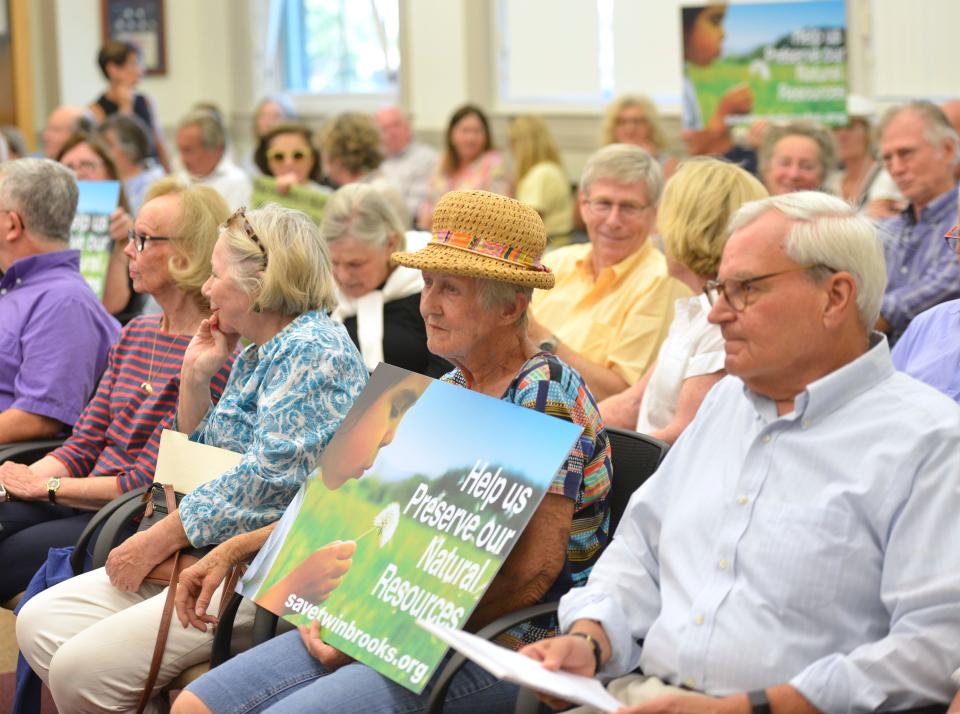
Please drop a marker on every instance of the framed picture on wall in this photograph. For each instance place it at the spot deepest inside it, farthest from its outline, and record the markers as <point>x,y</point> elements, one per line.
<point>141,23</point>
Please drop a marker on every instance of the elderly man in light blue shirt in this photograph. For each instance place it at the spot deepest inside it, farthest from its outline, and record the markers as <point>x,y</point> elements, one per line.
<point>796,551</point>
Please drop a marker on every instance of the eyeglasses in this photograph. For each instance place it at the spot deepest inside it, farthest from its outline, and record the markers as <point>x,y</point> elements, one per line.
<point>140,240</point>
<point>632,121</point>
<point>628,211</point>
<point>85,166</point>
<point>284,155</point>
<point>739,293</point>
<point>951,237</point>
<point>248,229</point>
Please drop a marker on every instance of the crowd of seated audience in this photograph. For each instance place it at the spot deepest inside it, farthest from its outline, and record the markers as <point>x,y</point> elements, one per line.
<point>771,305</point>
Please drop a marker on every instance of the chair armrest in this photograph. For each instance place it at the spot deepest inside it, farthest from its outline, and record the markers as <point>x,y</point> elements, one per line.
<point>494,629</point>
<point>111,533</point>
<point>80,549</point>
<point>26,452</point>
<point>223,634</point>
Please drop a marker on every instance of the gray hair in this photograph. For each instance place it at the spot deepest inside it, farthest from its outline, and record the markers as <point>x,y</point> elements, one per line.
<point>822,137</point>
<point>495,293</point>
<point>626,164</point>
<point>826,231</point>
<point>213,136</point>
<point>359,210</point>
<point>43,192</point>
<point>132,135</point>
<point>937,127</point>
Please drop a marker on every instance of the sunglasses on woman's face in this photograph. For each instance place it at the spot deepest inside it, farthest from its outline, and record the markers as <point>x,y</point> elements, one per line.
<point>284,155</point>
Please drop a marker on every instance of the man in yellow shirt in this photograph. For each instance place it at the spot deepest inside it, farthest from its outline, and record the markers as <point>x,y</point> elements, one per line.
<point>613,301</point>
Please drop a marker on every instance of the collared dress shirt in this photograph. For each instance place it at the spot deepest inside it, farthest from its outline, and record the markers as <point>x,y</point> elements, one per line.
<point>930,349</point>
<point>282,404</point>
<point>54,336</point>
<point>921,269</point>
<point>816,548</point>
<point>409,172</point>
<point>617,319</point>
<point>229,179</point>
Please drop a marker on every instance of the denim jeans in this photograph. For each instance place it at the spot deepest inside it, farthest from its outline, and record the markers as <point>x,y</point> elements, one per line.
<point>281,676</point>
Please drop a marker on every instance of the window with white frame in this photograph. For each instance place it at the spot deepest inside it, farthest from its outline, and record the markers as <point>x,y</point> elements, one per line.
<point>341,47</point>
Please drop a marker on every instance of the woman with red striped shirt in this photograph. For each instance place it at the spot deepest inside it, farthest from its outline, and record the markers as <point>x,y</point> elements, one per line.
<point>114,444</point>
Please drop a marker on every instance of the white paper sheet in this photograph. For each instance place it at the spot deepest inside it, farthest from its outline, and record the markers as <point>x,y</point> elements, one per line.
<point>185,464</point>
<point>507,664</point>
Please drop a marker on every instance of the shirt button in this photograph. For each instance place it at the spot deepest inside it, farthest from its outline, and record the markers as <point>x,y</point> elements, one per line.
<point>743,500</point>
<point>723,564</point>
<point>691,682</point>
<point>698,619</point>
<point>807,423</point>
<point>3,291</point>
<point>765,439</point>
<point>19,280</point>
<point>903,268</point>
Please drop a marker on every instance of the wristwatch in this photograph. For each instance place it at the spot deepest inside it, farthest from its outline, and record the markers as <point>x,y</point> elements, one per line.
<point>52,486</point>
<point>759,703</point>
<point>4,496</point>
<point>549,344</point>
<point>597,653</point>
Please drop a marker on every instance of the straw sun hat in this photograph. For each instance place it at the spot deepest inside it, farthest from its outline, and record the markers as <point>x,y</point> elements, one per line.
<point>484,235</point>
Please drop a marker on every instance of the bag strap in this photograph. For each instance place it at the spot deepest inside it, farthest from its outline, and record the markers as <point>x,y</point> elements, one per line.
<point>164,629</point>
<point>165,619</point>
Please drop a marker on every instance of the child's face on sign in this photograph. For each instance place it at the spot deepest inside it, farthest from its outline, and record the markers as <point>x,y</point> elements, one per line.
<point>705,39</point>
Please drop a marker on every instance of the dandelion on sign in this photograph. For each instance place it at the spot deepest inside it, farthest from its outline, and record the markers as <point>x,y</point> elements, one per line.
<point>385,523</point>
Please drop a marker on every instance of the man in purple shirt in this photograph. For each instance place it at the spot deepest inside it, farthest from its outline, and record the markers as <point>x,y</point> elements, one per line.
<point>930,348</point>
<point>54,333</point>
<point>919,149</point>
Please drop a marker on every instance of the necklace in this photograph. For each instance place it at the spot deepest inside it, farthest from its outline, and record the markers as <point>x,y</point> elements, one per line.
<point>147,385</point>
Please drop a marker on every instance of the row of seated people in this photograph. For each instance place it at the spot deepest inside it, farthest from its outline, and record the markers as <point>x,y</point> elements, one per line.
<point>814,327</point>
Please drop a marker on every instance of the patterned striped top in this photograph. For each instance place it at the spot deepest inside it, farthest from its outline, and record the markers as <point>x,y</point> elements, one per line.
<point>118,432</point>
<point>549,385</point>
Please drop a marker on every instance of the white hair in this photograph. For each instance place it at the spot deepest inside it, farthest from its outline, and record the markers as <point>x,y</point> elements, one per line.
<point>828,232</point>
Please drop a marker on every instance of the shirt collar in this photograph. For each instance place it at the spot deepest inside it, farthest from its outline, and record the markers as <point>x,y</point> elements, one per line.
<point>832,391</point>
<point>935,211</point>
<point>624,267</point>
<point>25,268</point>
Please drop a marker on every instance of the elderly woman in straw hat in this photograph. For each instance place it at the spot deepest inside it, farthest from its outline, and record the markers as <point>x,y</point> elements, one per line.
<point>479,271</point>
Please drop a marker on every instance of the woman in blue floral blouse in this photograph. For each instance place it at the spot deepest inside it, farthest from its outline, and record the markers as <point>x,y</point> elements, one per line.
<point>91,638</point>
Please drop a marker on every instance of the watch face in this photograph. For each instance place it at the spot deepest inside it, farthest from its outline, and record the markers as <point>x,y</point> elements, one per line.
<point>53,484</point>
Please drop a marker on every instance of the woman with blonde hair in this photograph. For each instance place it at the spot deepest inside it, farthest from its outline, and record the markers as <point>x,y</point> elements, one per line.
<point>633,119</point>
<point>114,444</point>
<point>692,218</point>
<point>797,156</point>
<point>288,391</point>
<point>541,180</point>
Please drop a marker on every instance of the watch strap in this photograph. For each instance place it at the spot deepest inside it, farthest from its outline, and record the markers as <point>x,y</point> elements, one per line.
<point>759,703</point>
<point>597,652</point>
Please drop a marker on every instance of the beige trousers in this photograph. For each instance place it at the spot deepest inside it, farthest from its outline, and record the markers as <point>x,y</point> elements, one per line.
<point>92,644</point>
<point>634,689</point>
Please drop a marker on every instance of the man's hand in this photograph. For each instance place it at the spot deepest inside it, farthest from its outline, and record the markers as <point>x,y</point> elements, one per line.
<point>197,585</point>
<point>571,654</point>
<point>21,483</point>
<point>330,657</point>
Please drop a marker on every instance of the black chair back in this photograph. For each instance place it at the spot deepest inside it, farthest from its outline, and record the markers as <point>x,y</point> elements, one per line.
<point>635,457</point>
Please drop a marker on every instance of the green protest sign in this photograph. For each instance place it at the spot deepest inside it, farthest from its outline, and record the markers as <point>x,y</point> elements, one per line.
<point>90,230</point>
<point>779,60</point>
<point>308,200</point>
<point>417,501</point>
